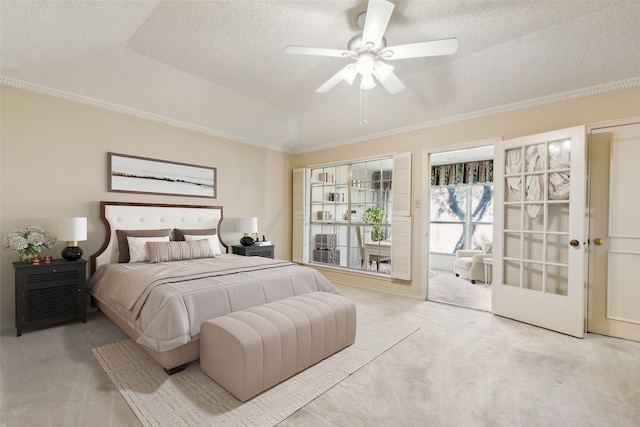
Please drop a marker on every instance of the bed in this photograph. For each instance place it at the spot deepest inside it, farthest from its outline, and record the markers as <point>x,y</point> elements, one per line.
<point>186,278</point>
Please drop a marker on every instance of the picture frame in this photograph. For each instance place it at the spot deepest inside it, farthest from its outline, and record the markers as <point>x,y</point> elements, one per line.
<point>134,174</point>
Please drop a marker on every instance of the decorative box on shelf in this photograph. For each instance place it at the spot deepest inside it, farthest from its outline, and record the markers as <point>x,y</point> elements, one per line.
<point>326,241</point>
<point>328,256</point>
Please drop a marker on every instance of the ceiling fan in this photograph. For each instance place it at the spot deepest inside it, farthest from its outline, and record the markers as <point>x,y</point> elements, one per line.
<point>369,50</point>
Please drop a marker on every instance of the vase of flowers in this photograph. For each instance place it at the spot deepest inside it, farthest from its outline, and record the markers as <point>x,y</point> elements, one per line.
<point>29,242</point>
<point>375,216</point>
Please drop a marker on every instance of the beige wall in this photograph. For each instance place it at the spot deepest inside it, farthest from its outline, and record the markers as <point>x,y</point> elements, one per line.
<point>582,111</point>
<point>54,158</point>
<point>53,163</point>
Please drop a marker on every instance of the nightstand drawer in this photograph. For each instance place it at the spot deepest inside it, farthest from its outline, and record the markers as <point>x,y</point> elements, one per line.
<point>255,250</point>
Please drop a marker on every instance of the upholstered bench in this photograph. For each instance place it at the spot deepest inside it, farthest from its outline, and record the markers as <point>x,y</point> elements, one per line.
<point>249,351</point>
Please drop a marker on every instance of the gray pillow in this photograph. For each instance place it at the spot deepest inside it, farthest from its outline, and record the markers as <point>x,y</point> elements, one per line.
<point>123,245</point>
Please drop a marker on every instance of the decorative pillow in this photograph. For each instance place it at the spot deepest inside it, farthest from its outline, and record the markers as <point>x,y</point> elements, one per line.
<point>123,244</point>
<point>180,232</point>
<point>178,251</point>
<point>138,247</point>
<point>212,240</point>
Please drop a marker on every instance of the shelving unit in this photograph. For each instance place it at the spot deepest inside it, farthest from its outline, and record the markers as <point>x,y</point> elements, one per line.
<point>339,196</point>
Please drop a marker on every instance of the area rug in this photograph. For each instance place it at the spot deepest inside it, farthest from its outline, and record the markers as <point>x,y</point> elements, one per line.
<point>190,398</point>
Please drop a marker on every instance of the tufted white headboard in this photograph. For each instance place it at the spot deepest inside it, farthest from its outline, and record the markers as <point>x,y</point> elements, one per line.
<point>144,216</point>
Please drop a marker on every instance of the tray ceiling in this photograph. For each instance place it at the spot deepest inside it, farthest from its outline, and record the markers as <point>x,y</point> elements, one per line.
<point>220,67</point>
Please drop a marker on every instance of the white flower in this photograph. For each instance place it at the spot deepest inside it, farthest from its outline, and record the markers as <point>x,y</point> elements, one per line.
<point>32,237</point>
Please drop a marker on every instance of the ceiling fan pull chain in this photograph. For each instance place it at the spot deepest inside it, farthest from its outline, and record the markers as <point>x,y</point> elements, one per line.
<point>363,107</point>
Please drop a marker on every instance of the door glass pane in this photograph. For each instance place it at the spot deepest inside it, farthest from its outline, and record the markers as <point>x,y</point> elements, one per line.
<point>533,246</point>
<point>558,248</point>
<point>557,280</point>
<point>535,158</point>
<point>558,217</point>
<point>513,189</point>
<point>534,192</point>
<point>512,217</point>
<point>511,273</point>
<point>533,276</point>
<point>512,245</point>
<point>534,223</point>
<point>559,186</point>
<point>560,154</point>
<point>513,161</point>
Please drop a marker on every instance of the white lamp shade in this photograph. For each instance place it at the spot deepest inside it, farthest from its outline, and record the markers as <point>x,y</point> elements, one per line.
<point>72,229</point>
<point>247,225</point>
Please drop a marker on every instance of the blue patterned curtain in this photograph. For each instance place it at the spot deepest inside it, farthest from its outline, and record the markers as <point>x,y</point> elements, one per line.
<point>462,173</point>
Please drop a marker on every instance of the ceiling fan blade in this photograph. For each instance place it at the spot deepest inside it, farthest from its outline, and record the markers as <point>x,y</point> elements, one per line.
<point>334,80</point>
<point>391,82</point>
<point>421,49</point>
<point>377,18</point>
<point>318,51</point>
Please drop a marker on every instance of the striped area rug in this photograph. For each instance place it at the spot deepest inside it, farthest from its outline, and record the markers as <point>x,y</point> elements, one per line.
<point>190,398</point>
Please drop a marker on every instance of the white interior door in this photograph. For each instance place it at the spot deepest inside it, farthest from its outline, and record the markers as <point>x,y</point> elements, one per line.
<point>614,232</point>
<point>539,235</point>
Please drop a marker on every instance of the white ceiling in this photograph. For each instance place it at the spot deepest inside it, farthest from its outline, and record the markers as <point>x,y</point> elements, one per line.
<point>220,67</point>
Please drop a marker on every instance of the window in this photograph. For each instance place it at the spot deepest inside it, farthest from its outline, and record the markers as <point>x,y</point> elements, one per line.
<point>461,217</point>
<point>351,211</point>
<point>347,214</point>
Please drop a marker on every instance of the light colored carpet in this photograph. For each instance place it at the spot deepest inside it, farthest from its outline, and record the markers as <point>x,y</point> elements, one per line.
<point>444,286</point>
<point>190,398</point>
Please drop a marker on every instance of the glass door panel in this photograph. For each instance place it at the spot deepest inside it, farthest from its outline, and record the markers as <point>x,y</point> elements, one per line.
<point>540,276</point>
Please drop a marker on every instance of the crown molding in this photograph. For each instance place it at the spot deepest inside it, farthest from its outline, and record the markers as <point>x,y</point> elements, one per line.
<point>521,105</point>
<point>80,99</point>
<point>550,99</point>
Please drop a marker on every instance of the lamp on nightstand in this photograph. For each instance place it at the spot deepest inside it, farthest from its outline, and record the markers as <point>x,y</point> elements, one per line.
<point>72,230</point>
<point>247,225</point>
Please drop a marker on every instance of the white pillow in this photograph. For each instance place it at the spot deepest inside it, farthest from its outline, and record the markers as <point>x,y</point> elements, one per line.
<point>138,251</point>
<point>212,238</point>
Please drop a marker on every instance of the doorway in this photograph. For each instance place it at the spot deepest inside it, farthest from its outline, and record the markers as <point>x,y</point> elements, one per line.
<point>460,222</point>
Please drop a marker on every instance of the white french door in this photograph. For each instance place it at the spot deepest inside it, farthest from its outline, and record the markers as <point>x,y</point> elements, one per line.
<point>539,230</point>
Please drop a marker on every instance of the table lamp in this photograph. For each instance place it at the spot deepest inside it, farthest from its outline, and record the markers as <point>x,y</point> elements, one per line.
<point>247,225</point>
<point>72,230</point>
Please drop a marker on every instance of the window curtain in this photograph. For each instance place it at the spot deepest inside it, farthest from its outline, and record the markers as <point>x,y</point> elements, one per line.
<point>462,173</point>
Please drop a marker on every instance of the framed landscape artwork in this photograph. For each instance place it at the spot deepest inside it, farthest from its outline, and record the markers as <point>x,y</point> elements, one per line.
<point>132,174</point>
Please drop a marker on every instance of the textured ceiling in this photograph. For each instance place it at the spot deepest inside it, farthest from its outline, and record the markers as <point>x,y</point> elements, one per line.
<point>220,66</point>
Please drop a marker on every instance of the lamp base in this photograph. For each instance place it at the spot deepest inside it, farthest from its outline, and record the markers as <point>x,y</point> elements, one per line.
<point>246,241</point>
<point>72,253</point>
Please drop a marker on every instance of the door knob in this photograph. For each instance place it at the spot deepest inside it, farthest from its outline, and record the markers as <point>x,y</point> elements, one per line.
<point>574,242</point>
<point>597,241</point>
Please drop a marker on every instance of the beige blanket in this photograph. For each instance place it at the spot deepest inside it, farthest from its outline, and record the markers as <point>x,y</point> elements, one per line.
<point>167,302</point>
<point>131,283</point>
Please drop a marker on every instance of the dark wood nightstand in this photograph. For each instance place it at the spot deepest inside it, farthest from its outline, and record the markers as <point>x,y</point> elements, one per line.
<point>255,250</point>
<point>50,293</point>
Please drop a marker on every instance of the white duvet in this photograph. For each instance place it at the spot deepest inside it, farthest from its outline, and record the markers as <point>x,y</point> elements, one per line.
<point>167,302</point>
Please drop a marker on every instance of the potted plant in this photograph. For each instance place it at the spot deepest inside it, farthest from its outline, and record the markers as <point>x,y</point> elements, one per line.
<point>375,216</point>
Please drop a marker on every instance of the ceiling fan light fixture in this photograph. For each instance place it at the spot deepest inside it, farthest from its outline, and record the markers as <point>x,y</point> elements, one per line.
<point>367,82</point>
<point>349,74</point>
<point>383,70</point>
<point>365,64</point>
